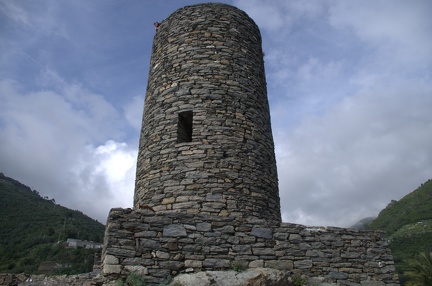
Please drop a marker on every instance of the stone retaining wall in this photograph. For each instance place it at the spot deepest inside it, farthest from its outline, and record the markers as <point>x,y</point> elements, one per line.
<point>162,245</point>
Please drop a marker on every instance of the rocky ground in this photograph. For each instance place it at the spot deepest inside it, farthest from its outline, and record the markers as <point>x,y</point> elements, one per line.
<point>250,277</point>
<point>87,279</point>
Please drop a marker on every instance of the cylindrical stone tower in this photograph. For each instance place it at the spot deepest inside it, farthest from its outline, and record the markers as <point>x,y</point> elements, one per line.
<point>206,144</point>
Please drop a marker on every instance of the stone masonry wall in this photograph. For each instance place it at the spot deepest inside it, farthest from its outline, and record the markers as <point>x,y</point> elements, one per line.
<point>160,245</point>
<point>207,71</point>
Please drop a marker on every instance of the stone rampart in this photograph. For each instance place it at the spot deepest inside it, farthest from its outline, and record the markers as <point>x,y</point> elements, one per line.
<point>161,245</point>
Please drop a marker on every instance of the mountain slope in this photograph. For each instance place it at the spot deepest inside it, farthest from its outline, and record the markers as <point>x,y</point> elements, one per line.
<point>408,224</point>
<point>414,207</point>
<point>362,224</point>
<point>32,229</point>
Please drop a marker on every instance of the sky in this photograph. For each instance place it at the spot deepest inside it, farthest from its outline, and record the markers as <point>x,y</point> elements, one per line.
<point>349,86</point>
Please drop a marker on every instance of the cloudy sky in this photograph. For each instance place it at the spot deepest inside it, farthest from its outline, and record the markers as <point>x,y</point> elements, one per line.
<point>349,84</point>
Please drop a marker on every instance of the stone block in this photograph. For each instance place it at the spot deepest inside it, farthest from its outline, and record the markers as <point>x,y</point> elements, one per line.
<point>174,230</point>
<point>302,264</point>
<point>338,275</point>
<point>216,263</point>
<point>295,238</point>
<point>262,251</point>
<point>262,232</point>
<point>314,253</point>
<point>158,220</point>
<point>225,229</point>
<point>248,239</point>
<point>256,264</point>
<point>173,265</point>
<point>163,255</point>
<point>193,263</point>
<point>149,244</point>
<point>203,226</point>
<point>138,269</point>
<point>169,200</point>
<point>111,259</point>
<point>111,269</point>
<point>214,197</point>
<point>242,249</point>
<point>146,233</point>
<point>372,283</point>
<point>279,264</point>
<point>281,236</point>
<point>184,205</point>
<point>157,272</point>
<point>138,261</point>
<point>223,213</point>
<point>120,252</point>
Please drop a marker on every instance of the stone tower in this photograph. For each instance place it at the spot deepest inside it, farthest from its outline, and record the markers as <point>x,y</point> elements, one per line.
<point>206,169</point>
<point>206,144</point>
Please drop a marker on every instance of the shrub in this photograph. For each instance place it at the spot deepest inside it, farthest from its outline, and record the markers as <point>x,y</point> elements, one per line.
<point>422,270</point>
<point>132,279</point>
<point>298,280</point>
<point>238,265</point>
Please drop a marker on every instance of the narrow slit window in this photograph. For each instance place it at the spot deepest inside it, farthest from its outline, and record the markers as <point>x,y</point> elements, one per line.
<point>184,129</point>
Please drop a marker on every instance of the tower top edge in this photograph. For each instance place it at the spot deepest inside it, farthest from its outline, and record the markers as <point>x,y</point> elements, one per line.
<point>209,6</point>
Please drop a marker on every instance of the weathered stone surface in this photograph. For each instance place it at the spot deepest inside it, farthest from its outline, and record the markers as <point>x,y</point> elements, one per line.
<point>211,245</point>
<point>203,226</point>
<point>256,264</point>
<point>372,283</point>
<point>120,252</point>
<point>225,229</point>
<point>111,259</point>
<point>85,279</point>
<point>111,269</point>
<point>338,275</point>
<point>211,83</point>
<point>252,277</point>
<point>173,265</point>
<point>175,230</point>
<point>193,263</point>
<point>215,263</point>
<point>141,270</point>
<point>279,264</point>
<point>242,249</point>
<point>138,261</point>
<point>303,264</point>
<point>262,232</point>
<point>149,244</point>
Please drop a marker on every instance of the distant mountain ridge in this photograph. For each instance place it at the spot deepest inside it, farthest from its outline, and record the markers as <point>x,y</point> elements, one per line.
<point>362,224</point>
<point>33,230</point>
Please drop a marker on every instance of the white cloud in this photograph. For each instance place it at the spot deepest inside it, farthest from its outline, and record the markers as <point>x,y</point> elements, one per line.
<point>46,139</point>
<point>398,30</point>
<point>279,16</point>
<point>365,151</point>
<point>349,87</point>
<point>103,178</point>
<point>17,13</point>
<point>133,111</point>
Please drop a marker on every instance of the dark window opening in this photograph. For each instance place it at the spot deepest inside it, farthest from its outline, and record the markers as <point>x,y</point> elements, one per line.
<point>184,128</point>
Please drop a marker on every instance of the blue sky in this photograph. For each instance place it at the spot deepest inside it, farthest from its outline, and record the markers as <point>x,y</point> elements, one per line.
<point>349,84</point>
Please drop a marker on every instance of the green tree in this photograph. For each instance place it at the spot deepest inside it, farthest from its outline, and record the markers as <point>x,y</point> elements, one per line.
<point>421,273</point>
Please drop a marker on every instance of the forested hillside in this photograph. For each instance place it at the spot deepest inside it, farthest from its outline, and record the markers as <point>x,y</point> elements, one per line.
<point>408,224</point>
<point>33,230</point>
